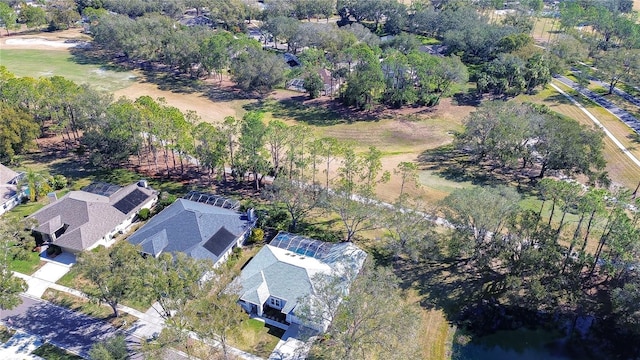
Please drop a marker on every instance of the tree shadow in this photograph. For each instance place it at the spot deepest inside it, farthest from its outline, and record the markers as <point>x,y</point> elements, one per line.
<point>88,56</point>
<point>470,98</point>
<point>173,81</point>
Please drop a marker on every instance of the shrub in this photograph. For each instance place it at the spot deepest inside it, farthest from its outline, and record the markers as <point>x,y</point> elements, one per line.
<point>257,236</point>
<point>144,213</point>
<point>59,182</point>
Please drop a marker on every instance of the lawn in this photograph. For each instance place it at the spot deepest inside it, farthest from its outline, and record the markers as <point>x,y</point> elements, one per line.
<point>91,308</point>
<point>27,266</point>
<point>46,63</point>
<point>52,352</point>
<point>255,337</point>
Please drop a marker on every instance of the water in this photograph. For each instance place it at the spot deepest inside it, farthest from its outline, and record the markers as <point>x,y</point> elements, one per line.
<point>521,344</point>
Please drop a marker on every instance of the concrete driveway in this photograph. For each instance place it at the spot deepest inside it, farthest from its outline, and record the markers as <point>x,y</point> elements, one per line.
<point>62,327</point>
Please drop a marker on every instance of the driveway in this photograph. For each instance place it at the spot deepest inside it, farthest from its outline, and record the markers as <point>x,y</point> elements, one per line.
<point>62,327</point>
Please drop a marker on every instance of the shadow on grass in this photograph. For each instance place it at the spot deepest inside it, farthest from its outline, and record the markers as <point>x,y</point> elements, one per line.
<point>455,165</point>
<point>174,82</point>
<point>295,109</point>
<point>83,56</point>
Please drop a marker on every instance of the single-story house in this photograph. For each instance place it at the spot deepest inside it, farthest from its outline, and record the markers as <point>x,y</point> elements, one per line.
<point>203,226</point>
<point>282,273</point>
<point>82,220</point>
<point>10,195</point>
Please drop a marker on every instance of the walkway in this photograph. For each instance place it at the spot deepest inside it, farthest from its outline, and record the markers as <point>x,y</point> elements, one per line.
<point>76,332</point>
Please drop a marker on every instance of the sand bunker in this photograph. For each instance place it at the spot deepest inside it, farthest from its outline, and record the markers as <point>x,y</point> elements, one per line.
<point>35,41</point>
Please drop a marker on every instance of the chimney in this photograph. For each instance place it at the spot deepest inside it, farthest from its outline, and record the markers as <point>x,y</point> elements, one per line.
<point>52,197</point>
<point>143,183</point>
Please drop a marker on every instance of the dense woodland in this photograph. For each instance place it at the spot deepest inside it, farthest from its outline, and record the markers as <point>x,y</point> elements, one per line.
<point>512,267</point>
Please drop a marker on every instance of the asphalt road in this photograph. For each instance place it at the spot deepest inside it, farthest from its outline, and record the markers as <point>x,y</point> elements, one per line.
<point>62,327</point>
<point>621,114</point>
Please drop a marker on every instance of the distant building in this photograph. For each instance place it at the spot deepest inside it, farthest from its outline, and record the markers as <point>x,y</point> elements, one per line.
<point>203,226</point>
<point>83,220</point>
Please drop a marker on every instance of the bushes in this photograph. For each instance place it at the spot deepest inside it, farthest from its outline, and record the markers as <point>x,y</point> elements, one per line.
<point>144,214</point>
<point>257,236</point>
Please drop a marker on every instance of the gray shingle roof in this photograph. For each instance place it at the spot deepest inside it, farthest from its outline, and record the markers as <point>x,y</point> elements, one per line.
<point>7,190</point>
<point>88,216</point>
<point>199,230</point>
<point>283,274</point>
<point>6,174</point>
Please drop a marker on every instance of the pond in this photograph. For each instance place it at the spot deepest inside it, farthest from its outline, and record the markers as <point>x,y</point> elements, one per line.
<point>520,344</point>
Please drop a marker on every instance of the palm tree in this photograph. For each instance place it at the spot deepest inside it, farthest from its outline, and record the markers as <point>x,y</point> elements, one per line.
<point>37,182</point>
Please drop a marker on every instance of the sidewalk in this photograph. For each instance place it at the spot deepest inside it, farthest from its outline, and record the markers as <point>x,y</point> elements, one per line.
<point>149,323</point>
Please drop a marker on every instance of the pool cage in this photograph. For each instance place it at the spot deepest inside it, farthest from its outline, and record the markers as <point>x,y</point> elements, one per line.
<point>301,245</point>
<point>215,200</point>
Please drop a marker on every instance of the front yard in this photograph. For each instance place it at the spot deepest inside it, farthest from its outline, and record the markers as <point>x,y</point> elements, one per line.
<point>254,337</point>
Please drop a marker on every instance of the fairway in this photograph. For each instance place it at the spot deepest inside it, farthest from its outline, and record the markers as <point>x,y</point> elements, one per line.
<point>39,63</point>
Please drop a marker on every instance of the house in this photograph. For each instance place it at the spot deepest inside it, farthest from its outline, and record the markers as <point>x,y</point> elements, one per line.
<point>203,226</point>
<point>82,220</point>
<point>10,195</point>
<point>282,273</point>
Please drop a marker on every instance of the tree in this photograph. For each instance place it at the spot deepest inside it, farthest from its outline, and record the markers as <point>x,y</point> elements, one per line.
<point>173,280</point>
<point>8,17</point>
<point>38,184</point>
<point>366,83</point>
<point>409,232</point>
<point>17,132</point>
<point>298,197</point>
<point>216,313</point>
<point>257,71</point>
<point>33,16</point>
<point>252,152</point>
<point>113,274</point>
<point>313,84</point>
<point>373,320</point>
<point>477,216</point>
<point>10,286</point>
<point>619,65</point>
<point>114,348</point>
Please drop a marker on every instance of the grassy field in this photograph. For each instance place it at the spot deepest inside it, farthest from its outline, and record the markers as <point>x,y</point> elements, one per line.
<point>46,63</point>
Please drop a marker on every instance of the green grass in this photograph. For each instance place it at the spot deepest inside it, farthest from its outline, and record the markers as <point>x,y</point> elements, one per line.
<point>87,307</point>
<point>51,352</point>
<point>257,338</point>
<point>24,210</point>
<point>46,63</point>
<point>296,110</point>
<point>28,266</point>
<point>69,279</point>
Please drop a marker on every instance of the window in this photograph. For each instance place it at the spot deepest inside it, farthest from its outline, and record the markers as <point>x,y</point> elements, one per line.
<point>275,302</point>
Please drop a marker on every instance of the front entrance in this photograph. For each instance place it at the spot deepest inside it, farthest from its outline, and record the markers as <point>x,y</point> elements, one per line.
<point>274,314</point>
